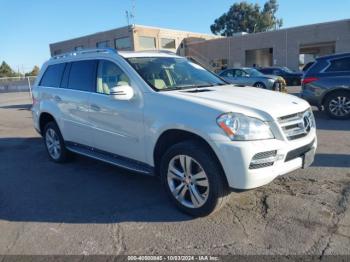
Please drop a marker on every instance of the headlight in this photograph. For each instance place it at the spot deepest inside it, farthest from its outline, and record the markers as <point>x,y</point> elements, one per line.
<point>271,80</point>
<point>311,116</point>
<point>240,127</point>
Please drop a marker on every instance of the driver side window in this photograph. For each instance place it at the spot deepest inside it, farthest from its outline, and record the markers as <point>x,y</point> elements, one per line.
<point>109,75</point>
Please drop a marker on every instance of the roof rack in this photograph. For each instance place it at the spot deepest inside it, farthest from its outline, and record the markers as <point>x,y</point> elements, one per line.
<point>85,51</point>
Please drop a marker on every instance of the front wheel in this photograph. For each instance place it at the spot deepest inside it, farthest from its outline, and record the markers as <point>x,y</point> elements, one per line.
<point>260,85</point>
<point>337,105</point>
<point>193,179</point>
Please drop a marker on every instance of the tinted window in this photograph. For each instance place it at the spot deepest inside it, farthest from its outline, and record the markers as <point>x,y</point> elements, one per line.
<point>53,75</point>
<point>65,77</point>
<point>110,75</point>
<point>227,73</point>
<point>147,42</point>
<point>167,43</point>
<point>339,65</point>
<point>82,75</point>
<point>102,44</point>
<point>123,43</point>
<point>266,71</point>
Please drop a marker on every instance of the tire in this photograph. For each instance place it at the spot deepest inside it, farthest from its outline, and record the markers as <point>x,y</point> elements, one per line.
<point>260,85</point>
<point>296,82</point>
<point>196,197</point>
<point>52,136</point>
<point>337,105</point>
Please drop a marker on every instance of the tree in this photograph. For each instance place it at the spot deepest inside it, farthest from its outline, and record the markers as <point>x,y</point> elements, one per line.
<point>6,70</point>
<point>246,17</point>
<point>34,72</point>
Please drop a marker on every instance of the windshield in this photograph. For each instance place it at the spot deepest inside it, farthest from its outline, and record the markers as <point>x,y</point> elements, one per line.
<point>253,72</point>
<point>169,73</point>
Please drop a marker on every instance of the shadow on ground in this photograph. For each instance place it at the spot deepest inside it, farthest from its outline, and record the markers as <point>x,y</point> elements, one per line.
<point>19,107</point>
<point>323,122</point>
<point>34,189</point>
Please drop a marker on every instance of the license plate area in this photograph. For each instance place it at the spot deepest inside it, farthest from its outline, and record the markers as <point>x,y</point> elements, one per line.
<point>308,158</point>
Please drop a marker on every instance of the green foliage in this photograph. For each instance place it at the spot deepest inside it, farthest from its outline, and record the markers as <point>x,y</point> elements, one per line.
<point>246,17</point>
<point>6,70</point>
<point>34,72</point>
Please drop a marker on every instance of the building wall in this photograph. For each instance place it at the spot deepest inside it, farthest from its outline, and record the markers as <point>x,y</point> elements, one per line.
<point>90,41</point>
<point>285,43</point>
<point>134,32</point>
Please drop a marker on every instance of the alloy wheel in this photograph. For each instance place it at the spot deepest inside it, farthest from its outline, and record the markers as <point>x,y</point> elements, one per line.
<point>188,181</point>
<point>340,106</point>
<point>53,143</point>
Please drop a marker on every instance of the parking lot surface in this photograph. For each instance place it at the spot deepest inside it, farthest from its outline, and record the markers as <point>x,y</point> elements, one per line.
<point>88,207</point>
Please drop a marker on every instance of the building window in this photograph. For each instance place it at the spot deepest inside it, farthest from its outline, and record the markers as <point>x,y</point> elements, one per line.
<point>78,48</point>
<point>102,44</point>
<point>147,42</point>
<point>167,43</point>
<point>123,43</point>
<point>57,52</point>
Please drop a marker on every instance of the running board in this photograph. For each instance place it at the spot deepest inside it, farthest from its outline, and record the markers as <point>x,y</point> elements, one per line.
<point>109,158</point>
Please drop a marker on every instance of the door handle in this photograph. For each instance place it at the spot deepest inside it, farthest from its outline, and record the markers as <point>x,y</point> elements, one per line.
<point>95,107</point>
<point>57,98</point>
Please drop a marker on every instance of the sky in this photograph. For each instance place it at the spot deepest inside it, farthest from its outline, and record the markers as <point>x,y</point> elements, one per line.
<point>28,27</point>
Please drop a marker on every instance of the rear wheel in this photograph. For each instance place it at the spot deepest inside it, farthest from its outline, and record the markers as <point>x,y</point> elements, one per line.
<point>260,85</point>
<point>337,105</point>
<point>54,143</point>
<point>193,179</point>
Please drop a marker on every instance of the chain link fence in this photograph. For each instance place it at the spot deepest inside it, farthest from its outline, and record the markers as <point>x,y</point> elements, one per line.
<point>16,84</point>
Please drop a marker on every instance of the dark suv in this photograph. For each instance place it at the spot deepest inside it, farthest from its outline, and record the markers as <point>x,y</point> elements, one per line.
<point>292,78</point>
<point>327,85</point>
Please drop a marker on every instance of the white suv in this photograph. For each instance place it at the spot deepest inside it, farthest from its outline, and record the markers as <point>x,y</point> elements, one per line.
<point>159,114</point>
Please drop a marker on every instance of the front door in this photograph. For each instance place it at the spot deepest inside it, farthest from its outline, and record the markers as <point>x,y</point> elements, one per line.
<point>117,125</point>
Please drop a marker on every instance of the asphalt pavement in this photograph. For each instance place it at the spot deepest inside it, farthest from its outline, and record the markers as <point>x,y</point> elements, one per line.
<point>88,207</point>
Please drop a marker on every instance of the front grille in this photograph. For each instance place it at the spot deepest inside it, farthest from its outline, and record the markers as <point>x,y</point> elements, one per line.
<point>298,152</point>
<point>297,125</point>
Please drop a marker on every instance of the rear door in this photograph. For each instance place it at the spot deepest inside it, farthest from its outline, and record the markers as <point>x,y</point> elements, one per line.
<point>78,82</point>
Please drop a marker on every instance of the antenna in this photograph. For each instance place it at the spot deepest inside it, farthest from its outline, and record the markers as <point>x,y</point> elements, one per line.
<point>130,15</point>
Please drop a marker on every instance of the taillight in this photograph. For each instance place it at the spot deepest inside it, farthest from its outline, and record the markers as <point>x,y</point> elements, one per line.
<point>309,80</point>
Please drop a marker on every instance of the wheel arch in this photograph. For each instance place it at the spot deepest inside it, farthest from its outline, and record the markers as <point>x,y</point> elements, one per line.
<point>173,136</point>
<point>45,118</point>
<point>332,91</point>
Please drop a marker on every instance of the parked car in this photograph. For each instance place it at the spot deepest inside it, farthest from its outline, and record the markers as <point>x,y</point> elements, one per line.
<point>307,66</point>
<point>250,77</point>
<point>159,114</point>
<point>292,78</point>
<point>327,85</point>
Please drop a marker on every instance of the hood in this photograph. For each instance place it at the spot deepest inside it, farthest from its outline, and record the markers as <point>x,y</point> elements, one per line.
<point>264,104</point>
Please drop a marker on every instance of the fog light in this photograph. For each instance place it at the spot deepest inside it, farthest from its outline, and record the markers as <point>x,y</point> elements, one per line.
<point>264,159</point>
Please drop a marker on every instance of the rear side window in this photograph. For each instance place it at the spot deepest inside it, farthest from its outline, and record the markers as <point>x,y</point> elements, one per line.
<point>266,71</point>
<point>83,75</point>
<point>339,65</point>
<point>53,75</point>
<point>227,73</point>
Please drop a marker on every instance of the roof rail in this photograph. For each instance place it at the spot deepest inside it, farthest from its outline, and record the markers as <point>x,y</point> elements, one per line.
<point>152,51</point>
<point>85,51</point>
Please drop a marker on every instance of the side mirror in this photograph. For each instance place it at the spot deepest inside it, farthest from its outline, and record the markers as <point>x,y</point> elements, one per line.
<point>123,92</point>
<point>247,75</point>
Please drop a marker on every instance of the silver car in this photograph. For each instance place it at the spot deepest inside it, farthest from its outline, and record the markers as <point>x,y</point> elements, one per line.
<point>247,76</point>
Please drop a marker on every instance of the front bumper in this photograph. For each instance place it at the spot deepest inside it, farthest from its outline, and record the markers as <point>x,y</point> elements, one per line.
<point>236,158</point>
